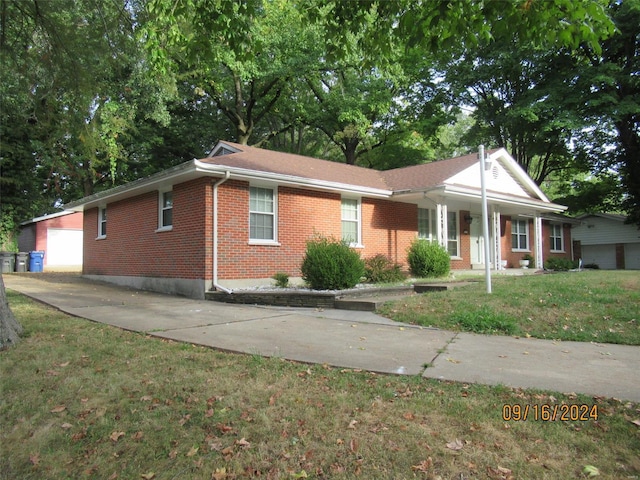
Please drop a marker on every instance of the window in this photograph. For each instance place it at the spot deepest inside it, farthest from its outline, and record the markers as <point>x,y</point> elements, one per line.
<point>350,212</point>
<point>102,222</point>
<point>166,209</point>
<point>520,235</point>
<point>426,224</point>
<point>557,244</point>
<point>262,214</point>
<point>452,234</point>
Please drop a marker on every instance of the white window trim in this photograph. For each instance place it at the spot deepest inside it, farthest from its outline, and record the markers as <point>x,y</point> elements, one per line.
<point>457,240</point>
<point>431,222</point>
<point>527,233</point>
<point>260,241</point>
<point>358,221</point>
<point>163,228</point>
<point>100,221</point>
<point>561,237</point>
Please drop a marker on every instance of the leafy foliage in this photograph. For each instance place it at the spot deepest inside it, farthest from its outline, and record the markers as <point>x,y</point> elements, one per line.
<point>329,264</point>
<point>381,269</point>
<point>560,264</point>
<point>282,279</point>
<point>428,259</point>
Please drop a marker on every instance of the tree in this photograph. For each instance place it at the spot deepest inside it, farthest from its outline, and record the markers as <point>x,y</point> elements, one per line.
<point>243,57</point>
<point>524,99</point>
<point>10,328</point>
<point>612,103</point>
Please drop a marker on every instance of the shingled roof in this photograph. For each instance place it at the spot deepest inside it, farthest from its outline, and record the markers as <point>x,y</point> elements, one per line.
<point>405,178</point>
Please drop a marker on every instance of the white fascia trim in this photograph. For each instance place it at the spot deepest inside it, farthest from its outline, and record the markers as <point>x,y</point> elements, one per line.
<point>142,185</point>
<point>519,172</point>
<point>291,180</point>
<point>500,198</point>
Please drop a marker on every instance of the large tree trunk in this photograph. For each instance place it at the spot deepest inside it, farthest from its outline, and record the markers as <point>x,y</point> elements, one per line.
<point>10,328</point>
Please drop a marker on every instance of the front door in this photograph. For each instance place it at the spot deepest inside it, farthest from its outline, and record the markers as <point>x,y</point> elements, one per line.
<point>477,240</point>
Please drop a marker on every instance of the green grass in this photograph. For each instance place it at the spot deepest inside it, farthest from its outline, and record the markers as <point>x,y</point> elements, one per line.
<point>85,400</point>
<point>600,306</point>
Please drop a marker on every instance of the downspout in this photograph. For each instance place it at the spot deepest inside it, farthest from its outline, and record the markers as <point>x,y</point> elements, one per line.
<point>227,174</point>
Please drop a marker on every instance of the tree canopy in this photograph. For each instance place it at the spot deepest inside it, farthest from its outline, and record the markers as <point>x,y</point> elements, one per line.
<point>95,94</point>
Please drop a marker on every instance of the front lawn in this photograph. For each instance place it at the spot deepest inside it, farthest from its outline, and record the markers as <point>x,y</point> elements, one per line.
<point>86,400</point>
<point>587,306</point>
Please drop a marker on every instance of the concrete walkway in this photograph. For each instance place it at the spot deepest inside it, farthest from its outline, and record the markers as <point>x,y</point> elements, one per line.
<point>360,340</point>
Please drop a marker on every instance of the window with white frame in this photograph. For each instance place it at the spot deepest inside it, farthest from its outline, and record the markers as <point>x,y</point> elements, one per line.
<point>165,216</point>
<point>557,240</point>
<point>262,214</point>
<point>453,244</point>
<point>520,234</point>
<point>102,222</point>
<point>427,224</point>
<point>350,214</point>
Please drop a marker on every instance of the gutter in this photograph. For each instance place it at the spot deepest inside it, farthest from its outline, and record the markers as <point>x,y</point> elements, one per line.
<point>226,177</point>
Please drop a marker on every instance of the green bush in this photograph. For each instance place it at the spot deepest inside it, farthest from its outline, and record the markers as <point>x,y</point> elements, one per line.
<point>282,279</point>
<point>381,269</point>
<point>329,264</point>
<point>560,264</point>
<point>428,259</point>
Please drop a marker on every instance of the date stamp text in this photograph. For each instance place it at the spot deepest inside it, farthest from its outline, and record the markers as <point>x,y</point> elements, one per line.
<point>580,412</point>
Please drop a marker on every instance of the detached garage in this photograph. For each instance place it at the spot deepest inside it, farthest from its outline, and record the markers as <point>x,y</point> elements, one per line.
<point>59,236</point>
<point>604,240</point>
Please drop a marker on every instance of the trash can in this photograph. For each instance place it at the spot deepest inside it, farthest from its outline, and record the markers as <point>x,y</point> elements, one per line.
<point>22,261</point>
<point>36,260</point>
<point>7,261</point>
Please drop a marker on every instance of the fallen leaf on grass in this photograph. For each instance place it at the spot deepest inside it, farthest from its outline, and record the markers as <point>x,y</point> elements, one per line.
<point>352,424</point>
<point>636,422</point>
<point>115,436</point>
<point>58,409</point>
<point>423,466</point>
<point>591,471</point>
<point>148,476</point>
<point>184,419</point>
<point>66,426</point>
<point>499,473</point>
<point>34,459</point>
<point>243,443</point>
<point>455,445</point>
<point>192,452</point>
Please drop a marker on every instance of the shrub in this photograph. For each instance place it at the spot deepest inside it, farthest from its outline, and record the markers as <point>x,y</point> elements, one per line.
<point>329,264</point>
<point>560,264</point>
<point>381,269</point>
<point>282,279</point>
<point>428,259</point>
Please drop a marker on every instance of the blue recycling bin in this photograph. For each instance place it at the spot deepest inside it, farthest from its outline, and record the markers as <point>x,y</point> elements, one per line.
<point>36,261</point>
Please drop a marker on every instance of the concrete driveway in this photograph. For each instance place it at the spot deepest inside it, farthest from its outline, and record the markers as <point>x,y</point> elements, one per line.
<point>347,339</point>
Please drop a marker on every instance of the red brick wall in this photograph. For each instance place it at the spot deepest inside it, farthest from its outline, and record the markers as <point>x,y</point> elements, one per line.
<point>133,247</point>
<point>301,214</point>
<point>513,258</point>
<point>387,227</point>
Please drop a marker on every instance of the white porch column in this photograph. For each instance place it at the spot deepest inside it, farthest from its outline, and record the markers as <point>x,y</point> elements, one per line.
<point>497,247</point>
<point>441,224</point>
<point>537,239</point>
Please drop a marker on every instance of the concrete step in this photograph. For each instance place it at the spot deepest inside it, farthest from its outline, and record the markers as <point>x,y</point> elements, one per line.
<point>367,304</point>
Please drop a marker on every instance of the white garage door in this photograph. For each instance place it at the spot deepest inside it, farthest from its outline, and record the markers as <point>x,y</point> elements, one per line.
<point>632,256</point>
<point>602,255</point>
<point>64,247</point>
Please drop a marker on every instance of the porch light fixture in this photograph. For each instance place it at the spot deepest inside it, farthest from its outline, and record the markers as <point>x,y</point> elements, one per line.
<point>468,219</point>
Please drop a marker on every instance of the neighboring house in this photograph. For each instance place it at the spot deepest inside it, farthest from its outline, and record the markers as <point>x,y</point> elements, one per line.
<point>59,236</point>
<point>604,240</point>
<point>243,213</point>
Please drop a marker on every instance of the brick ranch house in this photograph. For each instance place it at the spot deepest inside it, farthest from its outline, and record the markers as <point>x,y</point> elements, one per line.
<point>243,213</point>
